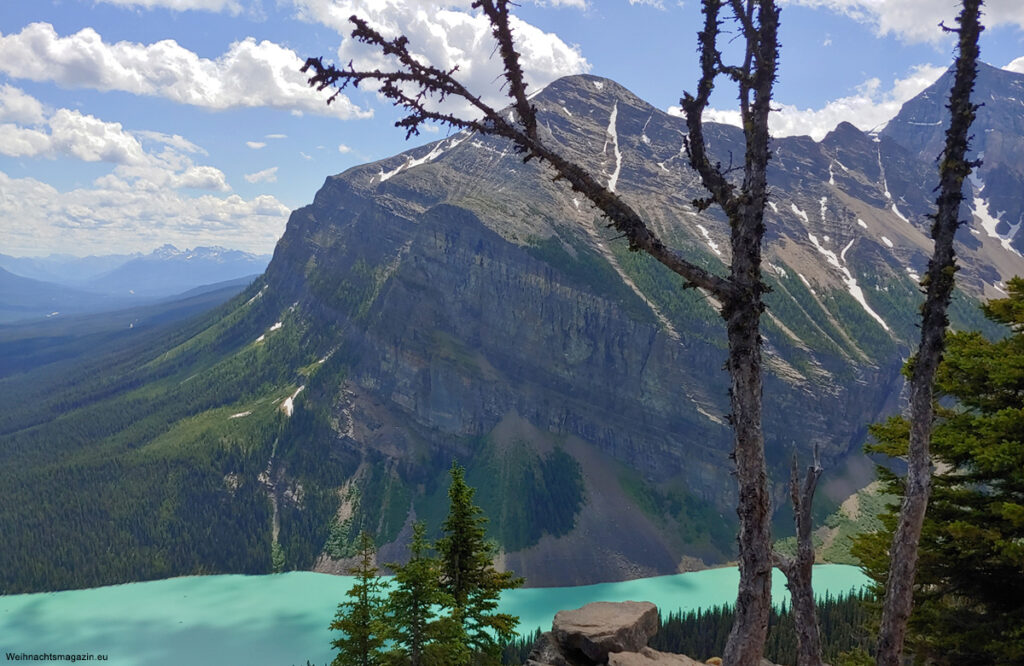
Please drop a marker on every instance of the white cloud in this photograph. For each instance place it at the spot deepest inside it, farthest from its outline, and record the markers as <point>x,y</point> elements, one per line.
<point>23,142</point>
<point>916,20</point>
<point>305,156</point>
<point>92,140</point>
<point>249,74</point>
<point>230,6</point>
<point>74,135</point>
<point>342,148</point>
<point>868,109</point>
<point>657,4</point>
<point>265,176</point>
<point>18,107</point>
<point>255,145</point>
<point>71,134</point>
<point>448,36</point>
<point>201,177</point>
<point>1016,66</point>
<point>113,217</point>
<point>276,136</point>
<point>173,140</point>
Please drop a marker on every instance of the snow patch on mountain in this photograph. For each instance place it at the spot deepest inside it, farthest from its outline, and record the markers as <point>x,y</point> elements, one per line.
<point>436,152</point>
<point>707,237</point>
<point>800,213</point>
<point>989,223</point>
<point>613,136</point>
<point>643,132</point>
<point>842,255</point>
<point>898,213</point>
<point>259,294</point>
<point>851,283</point>
<point>288,406</point>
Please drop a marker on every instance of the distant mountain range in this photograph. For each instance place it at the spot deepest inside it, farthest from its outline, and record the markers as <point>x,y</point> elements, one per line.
<point>64,284</point>
<point>453,302</point>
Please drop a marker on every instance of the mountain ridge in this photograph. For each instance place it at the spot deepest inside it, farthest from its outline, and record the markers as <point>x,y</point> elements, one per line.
<point>454,302</point>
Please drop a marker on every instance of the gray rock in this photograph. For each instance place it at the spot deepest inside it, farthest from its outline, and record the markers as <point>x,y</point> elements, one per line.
<point>545,652</point>
<point>649,657</point>
<point>600,628</point>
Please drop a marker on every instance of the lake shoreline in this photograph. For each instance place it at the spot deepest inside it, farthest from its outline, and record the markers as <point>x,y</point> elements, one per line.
<point>281,619</point>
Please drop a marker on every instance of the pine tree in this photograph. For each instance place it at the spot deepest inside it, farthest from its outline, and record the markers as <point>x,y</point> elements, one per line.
<point>360,620</point>
<point>970,581</point>
<point>420,636</point>
<point>468,576</point>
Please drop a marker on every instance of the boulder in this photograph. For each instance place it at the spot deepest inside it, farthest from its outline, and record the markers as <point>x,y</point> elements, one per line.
<point>545,652</point>
<point>649,657</point>
<point>600,628</point>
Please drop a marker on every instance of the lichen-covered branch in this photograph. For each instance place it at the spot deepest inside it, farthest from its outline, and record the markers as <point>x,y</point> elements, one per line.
<point>954,167</point>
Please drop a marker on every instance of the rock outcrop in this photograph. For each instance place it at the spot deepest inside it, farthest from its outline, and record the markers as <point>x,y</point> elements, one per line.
<point>601,633</point>
<point>602,627</point>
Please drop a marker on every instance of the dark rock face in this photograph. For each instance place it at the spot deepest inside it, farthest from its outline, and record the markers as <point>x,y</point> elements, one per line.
<point>474,309</point>
<point>998,141</point>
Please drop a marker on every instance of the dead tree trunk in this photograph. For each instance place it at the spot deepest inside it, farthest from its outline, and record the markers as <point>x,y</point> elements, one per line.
<point>740,293</point>
<point>798,569</point>
<point>953,170</point>
<point>742,309</point>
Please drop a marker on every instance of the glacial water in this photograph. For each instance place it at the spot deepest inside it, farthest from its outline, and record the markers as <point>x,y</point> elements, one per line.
<point>280,620</point>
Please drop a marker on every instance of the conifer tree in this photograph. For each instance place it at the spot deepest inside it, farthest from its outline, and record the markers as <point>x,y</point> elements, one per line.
<point>420,636</point>
<point>468,576</point>
<point>970,581</point>
<point>360,620</point>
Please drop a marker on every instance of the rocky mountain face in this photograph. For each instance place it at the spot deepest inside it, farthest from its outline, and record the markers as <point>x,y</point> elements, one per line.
<point>994,198</point>
<point>453,302</point>
<point>487,313</point>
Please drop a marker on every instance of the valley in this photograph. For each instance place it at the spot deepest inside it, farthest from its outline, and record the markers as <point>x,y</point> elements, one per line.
<point>453,303</point>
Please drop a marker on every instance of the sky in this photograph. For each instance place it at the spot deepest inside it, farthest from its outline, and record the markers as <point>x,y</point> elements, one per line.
<point>129,124</point>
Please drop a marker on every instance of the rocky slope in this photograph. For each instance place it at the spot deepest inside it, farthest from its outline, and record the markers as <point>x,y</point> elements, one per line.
<point>488,314</point>
<point>453,302</point>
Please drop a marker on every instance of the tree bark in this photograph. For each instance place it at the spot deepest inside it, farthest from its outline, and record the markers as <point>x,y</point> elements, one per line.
<point>953,170</point>
<point>753,600</point>
<point>798,570</point>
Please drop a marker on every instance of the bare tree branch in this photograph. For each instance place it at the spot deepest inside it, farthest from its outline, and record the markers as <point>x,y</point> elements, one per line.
<point>693,107</point>
<point>432,81</point>
<point>499,17</point>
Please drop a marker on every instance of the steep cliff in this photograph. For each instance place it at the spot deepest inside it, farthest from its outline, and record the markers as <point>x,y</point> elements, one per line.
<point>454,302</point>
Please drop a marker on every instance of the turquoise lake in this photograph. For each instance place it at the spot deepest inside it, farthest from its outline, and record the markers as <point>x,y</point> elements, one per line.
<point>282,619</point>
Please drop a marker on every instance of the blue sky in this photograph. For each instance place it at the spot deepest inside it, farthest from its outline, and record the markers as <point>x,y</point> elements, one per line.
<point>127,124</point>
